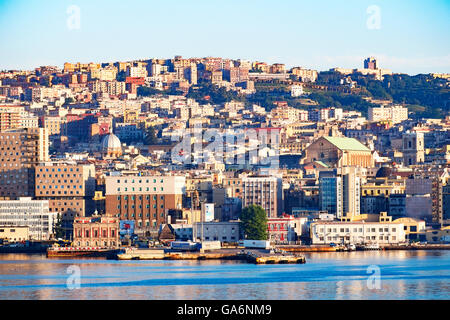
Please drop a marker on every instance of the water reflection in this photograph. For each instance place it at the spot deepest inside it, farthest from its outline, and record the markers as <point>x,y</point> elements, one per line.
<point>404,275</point>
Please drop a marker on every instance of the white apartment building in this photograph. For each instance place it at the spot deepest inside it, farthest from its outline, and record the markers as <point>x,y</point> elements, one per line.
<point>140,72</point>
<point>132,184</point>
<point>296,91</point>
<point>396,114</point>
<point>34,214</point>
<point>357,232</point>
<point>29,122</point>
<point>265,191</point>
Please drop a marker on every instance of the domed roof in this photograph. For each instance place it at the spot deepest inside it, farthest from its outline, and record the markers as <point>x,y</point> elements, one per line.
<point>384,172</point>
<point>111,142</point>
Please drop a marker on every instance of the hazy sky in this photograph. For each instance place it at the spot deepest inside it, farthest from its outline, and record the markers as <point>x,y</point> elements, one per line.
<point>410,36</point>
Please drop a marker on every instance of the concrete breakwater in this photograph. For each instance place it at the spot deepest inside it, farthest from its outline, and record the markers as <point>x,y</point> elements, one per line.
<point>251,256</point>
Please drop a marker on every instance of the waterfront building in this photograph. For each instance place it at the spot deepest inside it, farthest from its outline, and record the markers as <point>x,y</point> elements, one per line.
<point>441,235</point>
<point>96,231</point>
<point>69,189</point>
<point>358,232</point>
<point>183,232</point>
<point>33,214</point>
<point>14,234</point>
<point>286,229</point>
<point>414,228</point>
<point>224,231</point>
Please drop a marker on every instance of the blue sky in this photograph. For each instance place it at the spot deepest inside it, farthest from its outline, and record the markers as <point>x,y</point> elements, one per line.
<point>413,36</point>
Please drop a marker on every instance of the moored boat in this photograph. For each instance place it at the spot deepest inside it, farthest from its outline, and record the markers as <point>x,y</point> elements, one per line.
<point>78,251</point>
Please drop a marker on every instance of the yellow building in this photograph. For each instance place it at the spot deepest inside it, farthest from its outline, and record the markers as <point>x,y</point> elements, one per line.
<point>438,236</point>
<point>383,186</point>
<point>414,228</point>
<point>192,216</point>
<point>13,234</point>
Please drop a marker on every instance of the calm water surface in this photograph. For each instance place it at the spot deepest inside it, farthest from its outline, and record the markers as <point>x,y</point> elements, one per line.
<point>343,275</point>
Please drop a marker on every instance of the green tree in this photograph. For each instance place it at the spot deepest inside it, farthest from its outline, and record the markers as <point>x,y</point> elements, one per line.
<point>68,101</point>
<point>150,136</point>
<point>254,223</point>
<point>58,227</point>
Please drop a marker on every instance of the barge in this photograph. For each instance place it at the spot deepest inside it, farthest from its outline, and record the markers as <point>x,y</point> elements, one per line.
<point>80,251</point>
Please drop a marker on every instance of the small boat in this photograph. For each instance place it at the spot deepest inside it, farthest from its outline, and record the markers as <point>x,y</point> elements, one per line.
<point>372,246</point>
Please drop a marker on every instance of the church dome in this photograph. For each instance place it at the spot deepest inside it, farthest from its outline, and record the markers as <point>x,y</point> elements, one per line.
<point>111,146</point>
<point>384,172</point>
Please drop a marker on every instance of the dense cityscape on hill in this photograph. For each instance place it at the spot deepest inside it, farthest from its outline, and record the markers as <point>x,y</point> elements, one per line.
<point>182,148</point>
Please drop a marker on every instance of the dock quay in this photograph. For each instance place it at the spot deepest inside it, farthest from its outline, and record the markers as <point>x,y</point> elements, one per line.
<point>418,247</point>
<point>302,248</point>
<point>259,256</point>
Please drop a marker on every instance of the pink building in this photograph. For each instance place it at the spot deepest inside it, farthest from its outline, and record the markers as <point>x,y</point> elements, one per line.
<point>96,231</point>
<point>285,229</point>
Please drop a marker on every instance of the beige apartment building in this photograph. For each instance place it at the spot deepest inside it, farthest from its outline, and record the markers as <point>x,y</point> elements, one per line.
<point>307,75</point>
<point>396,114</point>
<point>53,124</point>
<point>264,191</point>
<point>13,234</point>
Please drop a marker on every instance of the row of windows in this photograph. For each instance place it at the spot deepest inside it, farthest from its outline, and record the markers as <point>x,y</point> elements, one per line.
<point>321,230</point>
<point>59,169</point>
<point>62,175</point>
<point>139,197</point>
<point>367,238</point>
<point>59,192</point>
<point>95,233</point>
<point>96,243</point>
<point>140,189</point>
<point>133,215</point>
<point>140,206</point>
<point>59,181</point>
<point>140,181</point>
<point>61,187</point>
